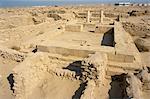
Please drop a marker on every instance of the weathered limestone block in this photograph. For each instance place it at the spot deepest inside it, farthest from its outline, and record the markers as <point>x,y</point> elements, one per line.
<point>102,17</point>
<point>89,91</point>
<point>135,87</point>
<point>129,58</point>
<point>112,70</point>
<point>126,50</point>
<point>74,28</point>
<point>11,54</point>
<point>62,72</point>
<point>118,57</point>
<point>102,29</point>
<point>64,51</point>
<point>94,68</point>
<point>88,17</point>
<point>120,33</point>
<point>88,25</point>
<point>28,74</point>
<point>145,78</point>
<point>81,14</point>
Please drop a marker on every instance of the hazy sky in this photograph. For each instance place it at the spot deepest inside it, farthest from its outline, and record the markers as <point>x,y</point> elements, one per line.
<point>14,3</point>
<point>148,1</point>
<point>83,0</point>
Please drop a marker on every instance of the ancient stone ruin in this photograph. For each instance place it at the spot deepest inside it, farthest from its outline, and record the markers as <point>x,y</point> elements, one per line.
<point>91,57</point>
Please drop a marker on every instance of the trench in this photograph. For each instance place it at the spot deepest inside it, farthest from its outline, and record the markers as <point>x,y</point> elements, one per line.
<point>118,87</point>
<point>80,91</point>
<point>11,81</point>
<point>75,66</point>
<point>108,38</point>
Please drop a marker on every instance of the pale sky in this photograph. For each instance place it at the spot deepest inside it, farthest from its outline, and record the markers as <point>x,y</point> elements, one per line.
<point>13,3</point>
<point>105,1</point>
<point>87,0</point>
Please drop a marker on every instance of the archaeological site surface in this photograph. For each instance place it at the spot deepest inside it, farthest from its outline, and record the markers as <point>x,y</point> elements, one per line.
<point>75,52</point>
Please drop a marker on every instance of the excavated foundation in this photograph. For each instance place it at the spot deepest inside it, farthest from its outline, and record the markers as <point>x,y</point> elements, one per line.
<point>118,87</point>
<point>108,38</point>
<point>83,60</point>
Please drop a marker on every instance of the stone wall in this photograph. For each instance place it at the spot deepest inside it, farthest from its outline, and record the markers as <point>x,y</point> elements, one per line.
<point>11,54</point>
<point>103,29</point>
<point>73,28</point>
<point>32,71</point>
<point>89,91</point>
<point>28,74</point>
<point>65,51</point>
<point>135,88</point>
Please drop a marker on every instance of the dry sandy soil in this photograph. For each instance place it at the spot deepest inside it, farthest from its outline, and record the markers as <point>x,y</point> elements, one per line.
<point>21,29</point>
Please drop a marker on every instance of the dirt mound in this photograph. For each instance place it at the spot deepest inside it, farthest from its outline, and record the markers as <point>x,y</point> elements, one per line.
<point>14,21</point>
<point>55,16</point>
<point>138,13</point>
<point>38,20</point>
<point>142,45</point>
<point>136,29</point>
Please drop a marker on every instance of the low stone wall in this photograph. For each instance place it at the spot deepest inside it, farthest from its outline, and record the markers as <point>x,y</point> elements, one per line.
<point>103,29</point>
<point>89,91</point>
<point>64,51</point>
<point>94,68</point>
<point>32,71</point>
<point>28,74</point>
<point>93,72</point>
<point>81,15</point>
<point>125,48</point>
<point>121,58</point>
<point>74,28</point>
<point>89,27</point>
<point>62,73</point>
<point>135,88</point>
<point>11,54</point>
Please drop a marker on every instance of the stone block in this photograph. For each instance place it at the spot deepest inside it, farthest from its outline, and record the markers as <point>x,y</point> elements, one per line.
<point>74,28</point>
<point>102,29</point>
<point>114,57</point>
<point>129,58</point>
<point>65,51</point>
<point>111,71</point>
<point>121,58</point>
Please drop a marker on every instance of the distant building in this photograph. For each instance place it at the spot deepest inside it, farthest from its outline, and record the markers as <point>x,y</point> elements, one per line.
<point>123,4</point>
<point>143,4</point>
<point>134,4</point>
<point>140,4</point>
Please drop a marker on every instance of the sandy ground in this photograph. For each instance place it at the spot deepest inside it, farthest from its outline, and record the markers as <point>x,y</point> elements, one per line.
<point>51,86</point>
<point>6,67</point>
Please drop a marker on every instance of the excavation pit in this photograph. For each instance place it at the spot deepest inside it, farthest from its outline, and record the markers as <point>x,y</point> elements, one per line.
<point>81,56</point>
<point>81,44</point>
<point>108,38</point>
<point>118,87</point>
<point>105,52</point>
